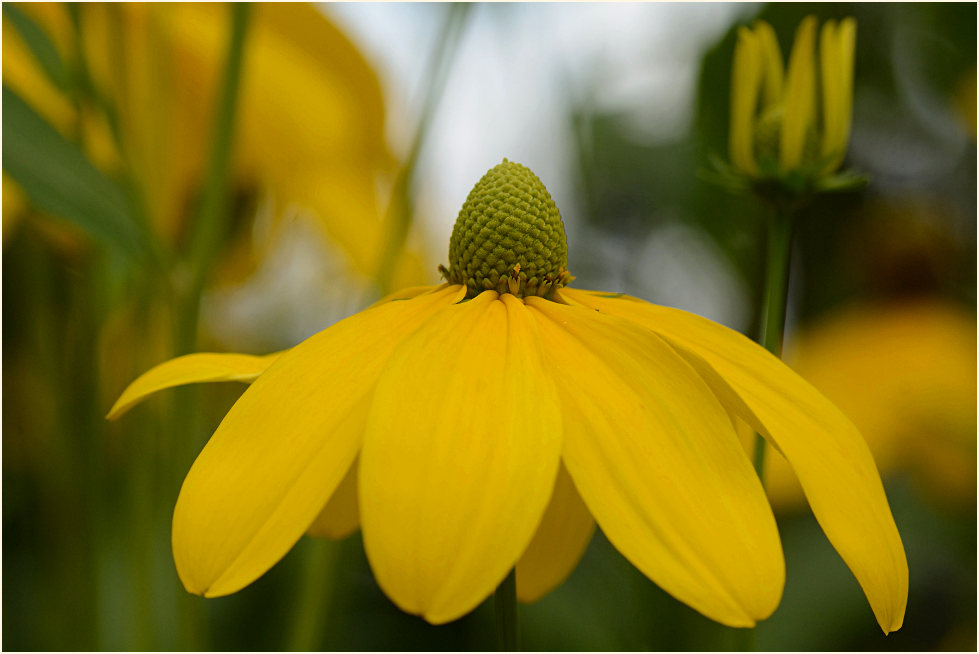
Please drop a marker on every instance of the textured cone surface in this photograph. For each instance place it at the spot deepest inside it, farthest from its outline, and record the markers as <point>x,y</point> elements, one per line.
<point>509,236</point>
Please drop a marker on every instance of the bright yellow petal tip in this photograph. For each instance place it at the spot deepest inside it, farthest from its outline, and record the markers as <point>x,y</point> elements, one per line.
<point>827,453</point>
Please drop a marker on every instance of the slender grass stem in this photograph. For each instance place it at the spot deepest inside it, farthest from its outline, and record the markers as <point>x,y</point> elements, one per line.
<point>772,333</point>
<point>213,217</point>
<point>505,603</point>
<point>210,228</point>
<point>400,212</point>
<point>315,596</point>
<point>775,301</point>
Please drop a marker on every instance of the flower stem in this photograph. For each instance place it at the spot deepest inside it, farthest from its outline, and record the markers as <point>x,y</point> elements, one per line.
<point>775,300</point>
<point>213,217</point>
<point>208,232</point>
<point>505,603</point>
<point>316,595</point>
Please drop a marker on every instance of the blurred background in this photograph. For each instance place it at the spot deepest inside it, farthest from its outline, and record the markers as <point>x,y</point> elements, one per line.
<point>183,178</point>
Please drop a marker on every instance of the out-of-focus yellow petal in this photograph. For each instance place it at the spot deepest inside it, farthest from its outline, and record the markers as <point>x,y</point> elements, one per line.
<point>905,373</point>
<point>964,102</point>
<point>14,204</point>
<point>800,95</point>
<point>24,75</point>
<point>846,44</point>
<point>460,457</point>
<point>827,453</point>
<point>284,447</point>
<point>771,57</point>
<point>191,369</point>
<point>657,462</point>
<point>341,515</point>
<point>829,70</point>
<point>836,51</point>
<point>558,545</point>
<point>745,81</point>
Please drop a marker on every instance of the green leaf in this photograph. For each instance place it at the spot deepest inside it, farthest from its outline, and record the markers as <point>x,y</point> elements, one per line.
<point>60,180</point>
<point>39,44</point>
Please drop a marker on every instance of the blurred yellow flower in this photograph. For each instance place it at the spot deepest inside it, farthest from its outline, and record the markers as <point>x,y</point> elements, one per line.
<point>490,422</point>
<point>310,131</point>
<point>905,373</point>
<point>775,127</point>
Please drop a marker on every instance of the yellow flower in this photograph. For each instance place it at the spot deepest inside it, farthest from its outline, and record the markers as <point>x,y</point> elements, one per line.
<point>490,422</point>
<point>905,373</point>
<point>774,129</point>
<point>309,134</point>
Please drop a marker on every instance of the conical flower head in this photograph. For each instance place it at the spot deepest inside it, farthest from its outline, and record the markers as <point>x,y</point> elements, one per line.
<point>509,236</point>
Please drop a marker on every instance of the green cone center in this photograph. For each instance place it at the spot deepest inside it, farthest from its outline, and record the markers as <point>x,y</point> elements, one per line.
<point>509,236</point>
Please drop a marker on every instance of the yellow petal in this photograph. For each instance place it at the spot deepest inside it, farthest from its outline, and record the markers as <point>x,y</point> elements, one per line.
<point>745,81</point>
<point>284,447</point>
<point>905,374</point>
<point>842,45</point>
<point>192,369</point>
<point>800,94</point>
<point>827,453</point>
<point>341,515</point>
<point>829,69</point>
<point>558,545</point>
<point>408,293</point>
<point>771,57</point>
<point>460,457</point>
<point>657,462</point>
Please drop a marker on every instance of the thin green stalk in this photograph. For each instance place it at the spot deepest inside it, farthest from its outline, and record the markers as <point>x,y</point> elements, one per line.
<point>213,217</point>
<point>505,603</point>
<point>775,301</point>
<point>400,213</point>
<point>772,333</point>
<point>315,597</point>
<point>210,228</point>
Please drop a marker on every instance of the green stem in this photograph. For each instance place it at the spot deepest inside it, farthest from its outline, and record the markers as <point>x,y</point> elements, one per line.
<point>775,301</point>
<point>210,228</point>
<point>400,213</point>
<point>313,607</point>
<point>213,218</point>
<point>772,333</point>
<point>505,602</point>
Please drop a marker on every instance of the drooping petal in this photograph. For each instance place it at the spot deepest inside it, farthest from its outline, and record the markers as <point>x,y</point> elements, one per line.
<point>460,456</point>
<point>558,545</point>
<point>800,95</point>
<point>656,460</point>
<point>827,453</point>
<point>191,369</point>
<point>341,515</point>
<point>284,447</point>
<point>745,81</point>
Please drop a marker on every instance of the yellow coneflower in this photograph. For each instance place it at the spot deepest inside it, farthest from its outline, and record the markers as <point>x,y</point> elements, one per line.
<point>776,129</point>
<point>488,423</point>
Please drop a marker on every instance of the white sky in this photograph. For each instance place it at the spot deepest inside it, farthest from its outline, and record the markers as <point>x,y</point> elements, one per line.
<point>506,96</point>
<point>515,68</point>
